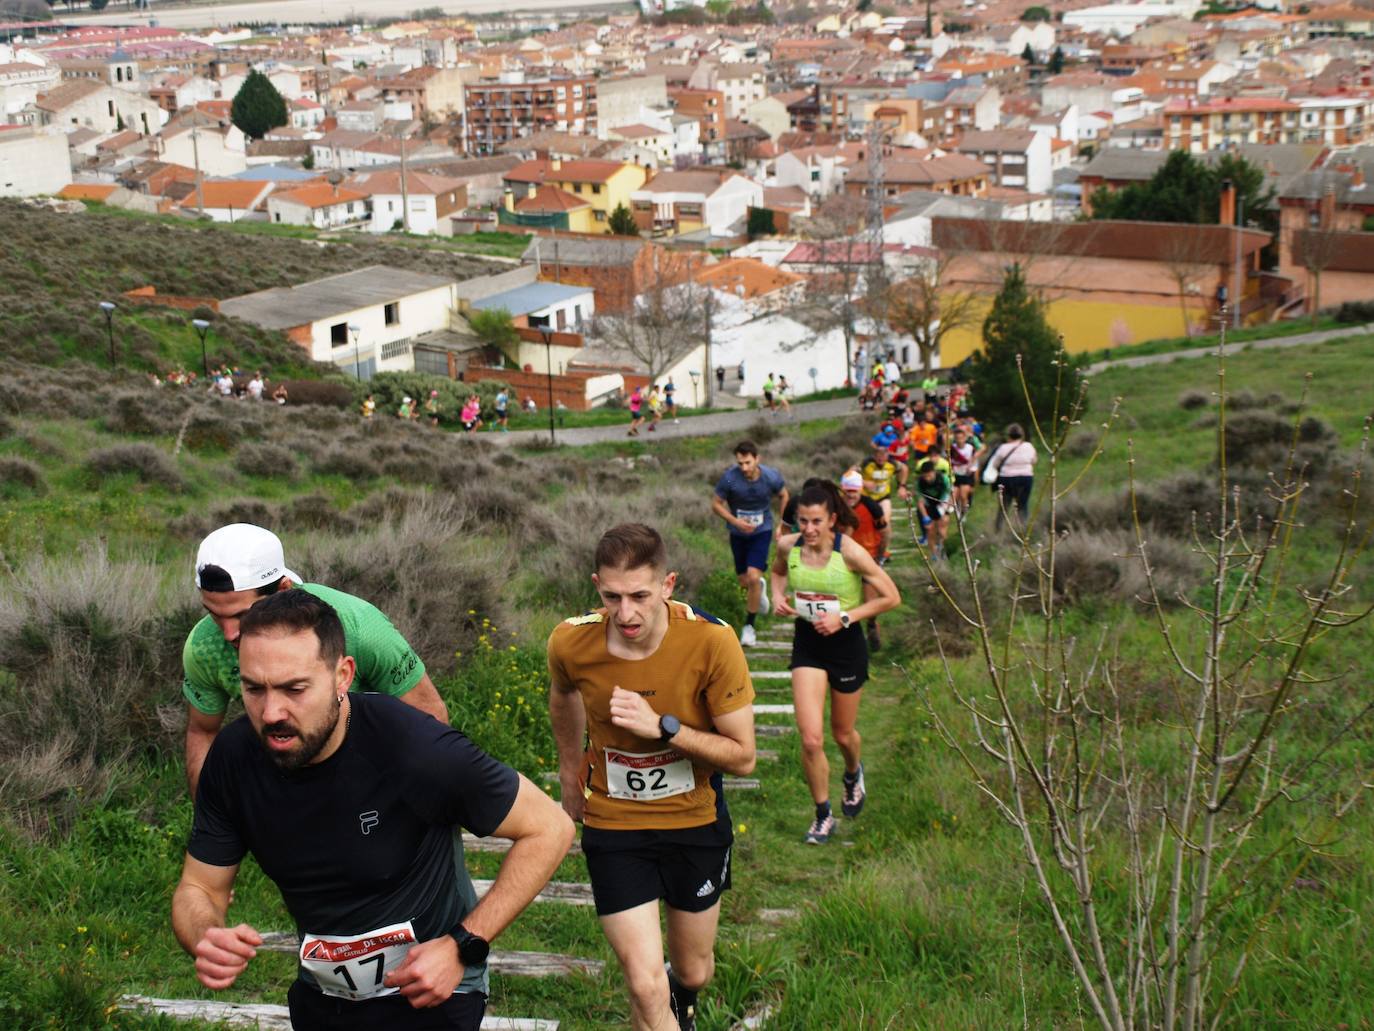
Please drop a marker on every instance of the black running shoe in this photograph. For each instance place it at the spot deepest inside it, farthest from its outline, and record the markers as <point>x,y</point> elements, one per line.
<point>854,794</point>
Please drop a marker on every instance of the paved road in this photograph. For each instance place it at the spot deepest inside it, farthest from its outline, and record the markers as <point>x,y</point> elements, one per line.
<point>306,12</point>
<point>693,426</point>
<point>1318,337</point>
<point>740,420</point>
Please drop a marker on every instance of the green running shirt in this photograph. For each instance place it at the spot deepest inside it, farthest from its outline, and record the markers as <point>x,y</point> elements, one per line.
<point>833,578</point>
<point>386,662</point>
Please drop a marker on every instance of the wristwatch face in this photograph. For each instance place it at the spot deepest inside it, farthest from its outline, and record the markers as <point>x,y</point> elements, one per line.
<point>668,726</point>
<point>844,620</point>
<point>472,950</point>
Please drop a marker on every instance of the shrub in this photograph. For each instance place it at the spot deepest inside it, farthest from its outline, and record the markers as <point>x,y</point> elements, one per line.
<point>1106,566</point>
<point>198,522</point>
<point>270,460</point>
<point>349,463</point>
<point>6,428</point>
<point>90,646</point>
<point>429,577</point>
<point>326,393</point>
<point>1355,312</point>
<point>211,430</point>
<point>718,593</point>
<point>315,512</point>
<point>1190,399</point>
<point>20,476</point>
<point>132,414</point>
<point>145,461</point>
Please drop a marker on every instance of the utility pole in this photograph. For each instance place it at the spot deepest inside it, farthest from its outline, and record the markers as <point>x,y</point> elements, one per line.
<point>875,279</point>
<point>200,180</point>
<point>1240,282</point>
<point>405,196</point>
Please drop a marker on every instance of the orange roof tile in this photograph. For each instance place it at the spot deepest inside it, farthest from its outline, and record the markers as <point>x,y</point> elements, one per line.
<point>87,191</point>
<point>321,195</point>
<point>746,277</point>
<point>551,198</point>
<point>226,193</point>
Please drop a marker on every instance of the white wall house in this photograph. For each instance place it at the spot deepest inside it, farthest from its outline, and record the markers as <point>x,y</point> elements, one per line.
<point>389,307</point>
<point>33,162</point>
<point>21,82</point>
<point>324,207</point>
<point>216,151</point>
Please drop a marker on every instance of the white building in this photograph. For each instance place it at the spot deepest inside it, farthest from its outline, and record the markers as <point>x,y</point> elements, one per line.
<point>389,308</point>
<point>426,198</point>
<point>319,205</point>
<point>215,150</point>
<point>20,84</point>
<point>33,162</point>
<point>1123,19</point>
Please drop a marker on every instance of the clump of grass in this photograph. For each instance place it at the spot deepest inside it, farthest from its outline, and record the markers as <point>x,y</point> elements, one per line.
<point>1106,565</point>
<point>198,522</point>
<point>349,463</point>
<point>268,460</point>
<point>144,461</point>
<point>20,476</point>
<point>315,512</point>
<point>1191,399</point>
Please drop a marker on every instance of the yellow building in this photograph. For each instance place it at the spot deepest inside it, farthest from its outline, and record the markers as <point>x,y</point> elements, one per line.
<point>602,185</point>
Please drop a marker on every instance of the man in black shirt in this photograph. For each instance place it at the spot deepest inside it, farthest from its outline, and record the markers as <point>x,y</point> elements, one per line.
<point>349,804</point>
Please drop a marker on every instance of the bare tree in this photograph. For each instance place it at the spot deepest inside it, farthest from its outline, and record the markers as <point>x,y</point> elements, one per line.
<point>669,320</point>
<point>1185,253</point>
<point>928,308</point>
<point>1208,798</point>
<point>835,292</point>
<point>1316,248</point>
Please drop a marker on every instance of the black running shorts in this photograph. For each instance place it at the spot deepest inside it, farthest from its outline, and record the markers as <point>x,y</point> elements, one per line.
<point>683,868</point>
<point>843,655</point>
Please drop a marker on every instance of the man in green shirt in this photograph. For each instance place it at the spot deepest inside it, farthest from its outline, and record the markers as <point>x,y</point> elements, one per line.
<point>240,563</point>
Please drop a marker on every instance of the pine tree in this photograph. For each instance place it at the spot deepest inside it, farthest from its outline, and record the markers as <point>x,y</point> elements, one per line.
<point>1057,61</point>
<point>622,222</point>
<point>258,107</point>
<point>1028,55</point>
<point>1018,342</point>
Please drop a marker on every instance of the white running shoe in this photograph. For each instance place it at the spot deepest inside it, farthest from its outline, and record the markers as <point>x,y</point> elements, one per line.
<point>764,603</point>
<point>748,637</point>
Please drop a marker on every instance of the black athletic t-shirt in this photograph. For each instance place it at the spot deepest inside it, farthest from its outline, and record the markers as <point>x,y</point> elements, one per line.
<point>365,838</point>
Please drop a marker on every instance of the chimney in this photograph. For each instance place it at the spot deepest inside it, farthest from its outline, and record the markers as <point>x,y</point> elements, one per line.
<point>531,189</point>
<point>1357,178</point>
<point>556,164</point>
<point>508,199</point>
<point>1327,216</point>
<point>1227,215</point>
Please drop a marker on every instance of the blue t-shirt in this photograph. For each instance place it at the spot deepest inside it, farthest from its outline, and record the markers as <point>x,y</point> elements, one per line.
<point>751,500</point>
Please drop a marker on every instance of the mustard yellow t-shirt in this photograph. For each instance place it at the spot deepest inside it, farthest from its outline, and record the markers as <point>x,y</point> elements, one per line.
<point>698,672</point>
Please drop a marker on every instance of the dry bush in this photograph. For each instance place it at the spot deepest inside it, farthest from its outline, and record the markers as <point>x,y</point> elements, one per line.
<point>145,412</point>
<point>1190,399</point>
<point>1106,566</point>
<point>91,650</point>
<point>326,393</point>
<point>20,476</point>
<point>196,523</point>
<point>320,417</point>
<point>6,428</point>
<point>422,570</point>
<point>315,512</point>
<point>271,460</point>
<point>926,623</point>
<point>143,460</point>
<point>352,464</point>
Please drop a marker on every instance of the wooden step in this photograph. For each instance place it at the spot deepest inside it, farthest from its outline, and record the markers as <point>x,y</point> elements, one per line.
<point>778,916</point>
<point>520,964</point>
<point>569,893</point>
<point>269,1017</point>
<point>472,843</point>
<point>765,755</point>
<point>771,674</point>
<point>741,784</point>
<point>773,729</point>
<point>767,709</point>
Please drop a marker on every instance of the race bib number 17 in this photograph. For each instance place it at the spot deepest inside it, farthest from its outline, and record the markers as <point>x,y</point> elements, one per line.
<point>353,966</point>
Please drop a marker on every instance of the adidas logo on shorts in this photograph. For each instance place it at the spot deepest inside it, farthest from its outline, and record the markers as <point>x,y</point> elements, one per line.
<point>706,889</point>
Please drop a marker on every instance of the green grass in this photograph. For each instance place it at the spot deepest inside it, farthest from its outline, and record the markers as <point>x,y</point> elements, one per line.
<point>1246,334</point>
<point>920,915</point>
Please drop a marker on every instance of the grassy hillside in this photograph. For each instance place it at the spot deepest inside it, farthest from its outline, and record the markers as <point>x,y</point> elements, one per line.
<point>57,268</point>
<point>922,915</point>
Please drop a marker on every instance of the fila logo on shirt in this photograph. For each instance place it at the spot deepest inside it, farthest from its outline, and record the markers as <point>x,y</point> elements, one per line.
<point>368,820</point>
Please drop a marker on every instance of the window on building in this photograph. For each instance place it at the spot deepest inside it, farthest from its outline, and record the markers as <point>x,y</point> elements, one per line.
<point>110,104</point>
<point>338,334</point>
<point>392,313</point>
<point>596,187</point>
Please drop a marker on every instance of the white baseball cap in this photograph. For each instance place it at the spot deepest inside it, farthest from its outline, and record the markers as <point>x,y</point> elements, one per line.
<point>251,555</point>
<point>852,480</point>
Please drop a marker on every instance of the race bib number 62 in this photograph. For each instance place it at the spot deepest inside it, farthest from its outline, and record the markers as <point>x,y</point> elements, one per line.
<point>644,776</point>
<point>353,966</point>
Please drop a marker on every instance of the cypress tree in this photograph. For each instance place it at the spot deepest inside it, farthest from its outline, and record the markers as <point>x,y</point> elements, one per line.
<point>258,107</point>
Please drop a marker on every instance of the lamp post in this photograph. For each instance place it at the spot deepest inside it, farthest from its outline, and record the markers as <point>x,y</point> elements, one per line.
<point>109,309</point>
<point>547,334</point>
<point>203,327</point>
<point>696,377</point>
<point>355,331</point>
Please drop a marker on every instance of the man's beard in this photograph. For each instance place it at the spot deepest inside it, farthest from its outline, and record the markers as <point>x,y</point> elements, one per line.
<point>310,743</point>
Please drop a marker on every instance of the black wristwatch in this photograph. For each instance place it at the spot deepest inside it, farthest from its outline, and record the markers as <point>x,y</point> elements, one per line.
<point>668,726</point>
<point>472,950</point>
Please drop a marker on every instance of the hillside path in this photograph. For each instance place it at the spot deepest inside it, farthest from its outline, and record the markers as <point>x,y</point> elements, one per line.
<point>1297,340</point>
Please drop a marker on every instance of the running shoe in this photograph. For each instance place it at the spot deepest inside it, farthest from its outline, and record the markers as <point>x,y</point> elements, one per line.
<point>748,637</point>
<point>764,604</point>
<point>820,830</point>
<point>854,794</point>
<point>680,1002</point>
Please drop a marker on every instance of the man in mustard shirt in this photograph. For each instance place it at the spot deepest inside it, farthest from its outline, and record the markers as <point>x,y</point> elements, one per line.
<point>661,695</point>
<point>235,566</point>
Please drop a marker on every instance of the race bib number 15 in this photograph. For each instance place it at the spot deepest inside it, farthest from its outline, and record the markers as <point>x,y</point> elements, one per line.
<point>812,606</point>
<point>644,776</point>
<point>353,966</point>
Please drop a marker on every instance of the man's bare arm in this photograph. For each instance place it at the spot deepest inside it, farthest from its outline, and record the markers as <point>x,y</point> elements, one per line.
<point>199,905</point>
<point>569,720</point>
<point>201,729</point>
<point>425,697</point>
<point>729,748</point>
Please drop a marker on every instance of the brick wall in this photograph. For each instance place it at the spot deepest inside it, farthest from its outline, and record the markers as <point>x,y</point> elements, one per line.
<point>571,390</point>
<point>149,295</point>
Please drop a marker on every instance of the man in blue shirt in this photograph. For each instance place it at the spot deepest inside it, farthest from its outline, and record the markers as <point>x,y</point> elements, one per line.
<point>744,499</point>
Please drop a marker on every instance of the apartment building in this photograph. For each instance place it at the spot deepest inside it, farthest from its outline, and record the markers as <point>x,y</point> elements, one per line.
<point>1198,126</point>
<point>498,112</point>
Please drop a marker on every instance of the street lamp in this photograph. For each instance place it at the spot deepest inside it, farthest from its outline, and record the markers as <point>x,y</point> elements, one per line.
<point>355,331</point>
<point>109,309</point>
<point>202,327</point>
<point>547,334</point>
<point>696,375</point>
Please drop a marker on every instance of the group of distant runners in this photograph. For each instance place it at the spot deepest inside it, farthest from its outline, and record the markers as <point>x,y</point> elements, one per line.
<point>347,784</point>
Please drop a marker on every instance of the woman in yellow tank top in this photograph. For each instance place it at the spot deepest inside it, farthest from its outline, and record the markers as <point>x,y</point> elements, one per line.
<point>826,572</point>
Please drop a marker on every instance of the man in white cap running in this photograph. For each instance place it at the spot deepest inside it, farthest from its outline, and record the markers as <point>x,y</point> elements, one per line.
<point>240,563</point>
